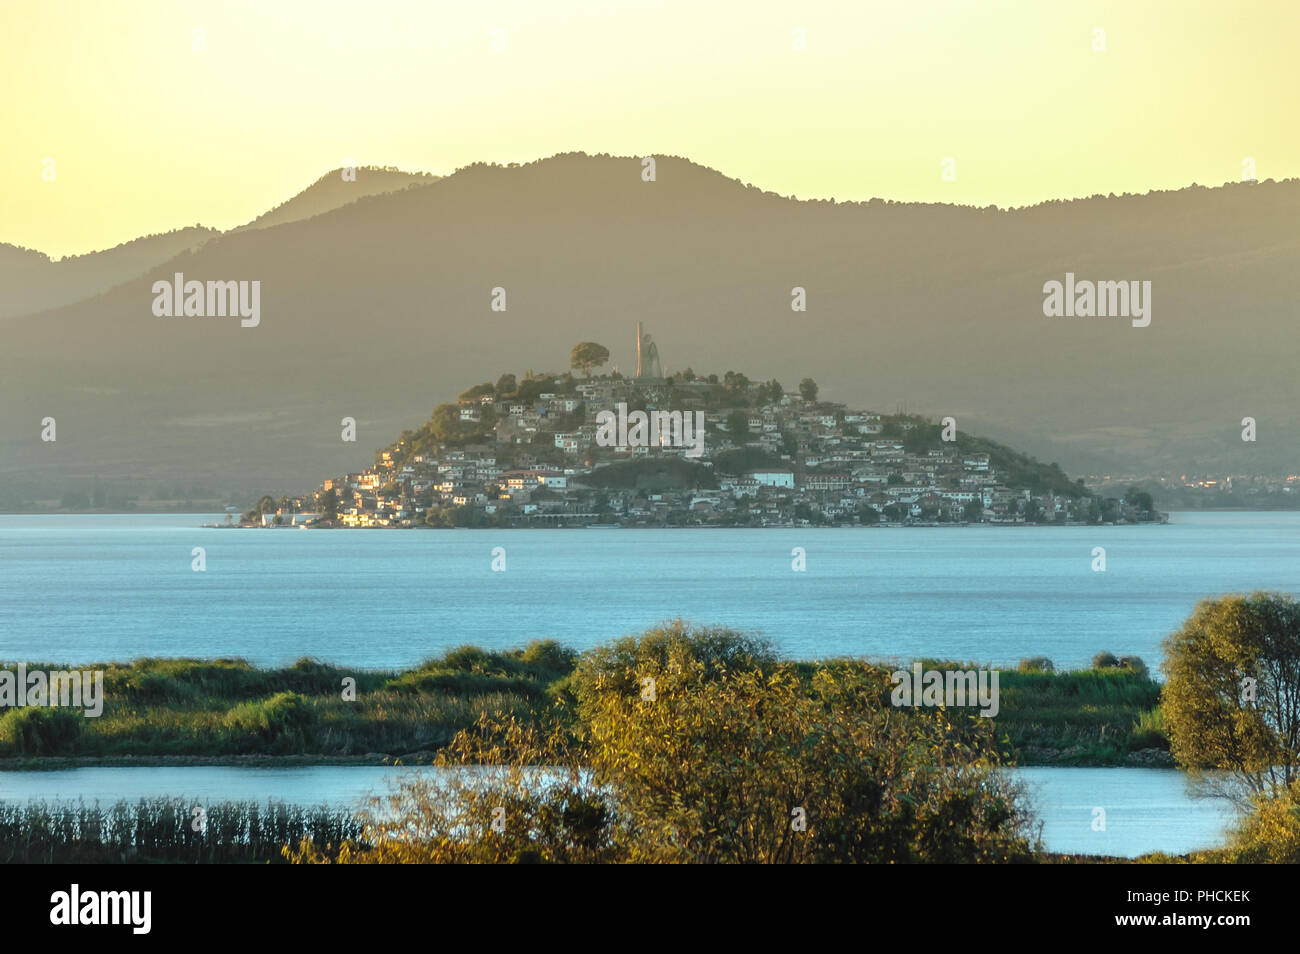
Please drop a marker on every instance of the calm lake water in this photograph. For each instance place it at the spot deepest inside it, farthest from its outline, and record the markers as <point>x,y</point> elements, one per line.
<point>1146,809</point>
<point>79,589</point>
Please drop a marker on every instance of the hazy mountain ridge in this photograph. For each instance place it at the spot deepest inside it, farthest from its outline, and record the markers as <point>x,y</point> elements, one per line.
<point>378,309</point>
<point>332,191</point>
<point>33,282</point>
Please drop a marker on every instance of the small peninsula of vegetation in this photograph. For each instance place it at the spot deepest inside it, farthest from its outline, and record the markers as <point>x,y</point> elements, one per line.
<point>225,710</point>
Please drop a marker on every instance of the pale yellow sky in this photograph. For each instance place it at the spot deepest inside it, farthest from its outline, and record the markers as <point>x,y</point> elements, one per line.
<point>148,133</point>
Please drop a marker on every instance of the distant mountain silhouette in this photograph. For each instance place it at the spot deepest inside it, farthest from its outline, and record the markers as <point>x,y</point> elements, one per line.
<point>33,282</point>
<point>331,191</point>
<point>379,309</point>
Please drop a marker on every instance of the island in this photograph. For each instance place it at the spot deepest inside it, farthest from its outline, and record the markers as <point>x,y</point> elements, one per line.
<point>577,449</point>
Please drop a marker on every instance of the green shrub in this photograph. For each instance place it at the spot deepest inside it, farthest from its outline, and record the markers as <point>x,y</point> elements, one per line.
<point>1134,664</point>
<point>1036,664</point>
<point>162,680</point>
<point>1104,660</point>
<point>465,658</point>
<point>622,665</point>
<point>152,686</point>
<point>285,717</point>
<point>1149,731</point>
<point>464,683</point>
<point>564,692</point>
<point>314,677</point>
<point>32,730</point>
<point>549,655</point>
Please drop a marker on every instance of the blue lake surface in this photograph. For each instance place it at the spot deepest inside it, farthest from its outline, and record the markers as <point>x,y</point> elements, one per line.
<point>79,589</point>
<point>1145,809</point>
<point>82,589</point>
<point>1141,810</point>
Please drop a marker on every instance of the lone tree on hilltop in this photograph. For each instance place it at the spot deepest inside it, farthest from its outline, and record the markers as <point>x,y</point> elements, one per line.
<point>587,355</point>
<point>808,390</point>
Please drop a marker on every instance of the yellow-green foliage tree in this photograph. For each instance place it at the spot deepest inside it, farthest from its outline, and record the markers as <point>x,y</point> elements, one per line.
<point>699,746</point>
<point>757,767</point>
<point>511,792</point>
<point>1268,835</point>
<point>1231,700</point>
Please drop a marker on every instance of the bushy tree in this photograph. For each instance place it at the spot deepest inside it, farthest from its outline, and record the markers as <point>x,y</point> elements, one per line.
<point>477,391</point>
<point>738,423</point>
<point>1268,834</point>
<point>754,766</point>
<point>1136,497</point>
<point>329,504</point>
<point>587,355</point>
<point>1232,695</point>
<point>700,746</point>
<point>735,381</point>
<point>1133,663</point>
<point>446,424</point>
<point>493,805</point>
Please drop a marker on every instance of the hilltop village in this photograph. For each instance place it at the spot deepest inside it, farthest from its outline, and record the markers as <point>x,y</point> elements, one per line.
<point>583,449</point>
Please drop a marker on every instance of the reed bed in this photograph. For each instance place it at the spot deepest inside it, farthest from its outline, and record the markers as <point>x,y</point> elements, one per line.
<point>166,829</point>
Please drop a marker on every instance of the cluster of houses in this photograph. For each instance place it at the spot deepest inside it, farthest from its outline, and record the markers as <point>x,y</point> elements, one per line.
<point>770,458</point>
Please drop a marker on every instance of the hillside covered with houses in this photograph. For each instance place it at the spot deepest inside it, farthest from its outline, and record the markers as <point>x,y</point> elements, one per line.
<point>530,451</point>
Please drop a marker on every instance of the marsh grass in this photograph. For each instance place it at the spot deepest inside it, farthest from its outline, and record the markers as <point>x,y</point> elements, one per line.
<point>1088,716</point>
<point>226,707</point>
<point>163,830</point>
